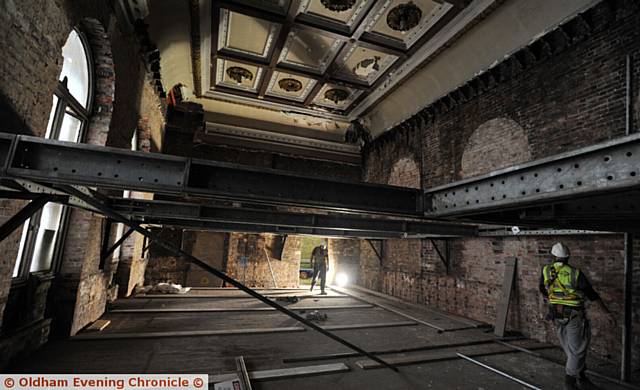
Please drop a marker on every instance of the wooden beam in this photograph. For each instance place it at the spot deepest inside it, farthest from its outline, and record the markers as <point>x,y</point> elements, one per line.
<point>235,309</point>
<point>285,373</point>
<point>370,326</point>
<point>179,333</point>
<point>507,288</point>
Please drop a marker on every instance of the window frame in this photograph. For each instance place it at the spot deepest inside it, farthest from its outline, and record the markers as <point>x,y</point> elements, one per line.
<point>66,104</point>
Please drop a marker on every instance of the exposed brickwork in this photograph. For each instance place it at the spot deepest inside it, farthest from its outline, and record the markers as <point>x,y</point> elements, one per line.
<point>257,272</point>
<point>569,99</point>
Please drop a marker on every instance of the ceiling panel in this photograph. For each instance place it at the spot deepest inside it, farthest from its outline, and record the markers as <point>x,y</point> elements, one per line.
<point>406,21</point>
<point>246,35</point>
<point>238,75</point>
<point>308,50</point>
<point>364,64</point>
<point>335,96</point>
<point>290,86</point>
<point>346,16</point>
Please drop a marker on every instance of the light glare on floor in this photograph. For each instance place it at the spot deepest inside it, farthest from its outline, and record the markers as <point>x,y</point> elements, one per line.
<point>342,279</point>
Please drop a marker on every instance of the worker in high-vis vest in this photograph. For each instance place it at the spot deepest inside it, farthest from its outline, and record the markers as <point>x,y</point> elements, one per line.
<point>565,288</point>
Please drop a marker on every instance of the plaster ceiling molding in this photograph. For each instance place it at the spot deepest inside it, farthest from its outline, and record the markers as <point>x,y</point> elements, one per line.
<point>247,35</point>
<point>279,7</point>
<point>360,64</point>
<point>503,31</point>
<point>238,76</point>
<point>404,22</point>
<point>347,17</point>
<point>288,86</point>
<point>304,49</point>
<point>335,96</point>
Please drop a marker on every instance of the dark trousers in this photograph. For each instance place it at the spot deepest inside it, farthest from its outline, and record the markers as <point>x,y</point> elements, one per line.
<point>322,272</point>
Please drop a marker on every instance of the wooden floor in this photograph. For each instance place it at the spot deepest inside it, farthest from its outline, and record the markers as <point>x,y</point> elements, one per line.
<point>203,331</point>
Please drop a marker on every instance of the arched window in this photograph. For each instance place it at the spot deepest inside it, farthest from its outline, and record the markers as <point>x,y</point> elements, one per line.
<point>42,234</point>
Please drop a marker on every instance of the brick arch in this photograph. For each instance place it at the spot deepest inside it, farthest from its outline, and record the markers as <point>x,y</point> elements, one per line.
<point>405,172</point>
<point>103,80</point>
<point>495,144</point>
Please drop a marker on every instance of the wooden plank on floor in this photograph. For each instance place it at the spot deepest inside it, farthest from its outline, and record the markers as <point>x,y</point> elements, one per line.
<point>440,356</point>
<point>285,373</point>
<point>235,309</point>
<point>190,333</point>
<point>202,296</point>
<point>370,326</point>
<point>98,325</point>
<point>343,355</point>
<point>507,288</point>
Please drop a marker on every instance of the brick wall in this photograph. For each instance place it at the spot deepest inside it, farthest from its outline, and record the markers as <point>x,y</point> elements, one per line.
<point>34,33</point>
<point>569,96</point>
<point>247,260</point>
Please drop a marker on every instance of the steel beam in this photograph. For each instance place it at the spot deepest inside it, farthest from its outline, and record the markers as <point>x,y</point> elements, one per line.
<point>156,211</point>
<point>81,164</point>
<point>609,167</point>
<point>115,246</point>
<point>105,210</point>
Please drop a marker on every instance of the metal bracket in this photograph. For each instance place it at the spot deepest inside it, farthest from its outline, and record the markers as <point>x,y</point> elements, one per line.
<point>375,250</point>
<point>445,259</point>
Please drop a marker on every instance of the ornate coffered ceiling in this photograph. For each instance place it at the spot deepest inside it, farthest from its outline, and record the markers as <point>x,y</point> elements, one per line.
<point>319,57</point>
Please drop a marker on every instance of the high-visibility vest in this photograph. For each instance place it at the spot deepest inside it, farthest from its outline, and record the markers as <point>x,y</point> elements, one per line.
<point>561,282</point>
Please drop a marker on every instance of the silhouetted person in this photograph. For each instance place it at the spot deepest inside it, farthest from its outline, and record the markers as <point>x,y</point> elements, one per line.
<point>320,263</point>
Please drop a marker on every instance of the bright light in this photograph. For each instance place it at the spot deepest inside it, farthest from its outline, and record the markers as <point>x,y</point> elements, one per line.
<point>342,279</point>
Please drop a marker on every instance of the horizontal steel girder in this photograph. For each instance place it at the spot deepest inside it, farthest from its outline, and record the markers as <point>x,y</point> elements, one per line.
<point>58,162</point>
<point>244,219</point>
<point>606,168</point>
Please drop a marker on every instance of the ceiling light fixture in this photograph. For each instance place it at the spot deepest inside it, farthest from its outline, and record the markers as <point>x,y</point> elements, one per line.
<point>336,95</point>
<point>404,17</point>
<point>290,85</point>
<point>239,74</point>
<point>338,5</point>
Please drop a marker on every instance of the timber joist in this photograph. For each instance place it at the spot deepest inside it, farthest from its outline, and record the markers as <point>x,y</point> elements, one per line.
<point>570,180</point>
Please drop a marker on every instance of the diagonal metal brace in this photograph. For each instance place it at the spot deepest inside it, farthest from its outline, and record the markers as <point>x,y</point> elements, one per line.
<point>109,251</point>
<point>27,212</point>
<point>445,260</point>
<point>102,208</point>
<point>375,250</point>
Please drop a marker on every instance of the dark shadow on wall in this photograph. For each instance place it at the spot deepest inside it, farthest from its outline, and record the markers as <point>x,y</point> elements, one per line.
<point>10,120</point>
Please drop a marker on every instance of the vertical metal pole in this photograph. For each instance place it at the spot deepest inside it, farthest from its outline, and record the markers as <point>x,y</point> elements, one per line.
<point>628,97</point>
<point>627,341</point>
<point>625,367</point>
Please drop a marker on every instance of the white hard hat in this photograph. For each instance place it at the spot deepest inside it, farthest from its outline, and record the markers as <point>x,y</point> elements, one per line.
<point>559,250</point>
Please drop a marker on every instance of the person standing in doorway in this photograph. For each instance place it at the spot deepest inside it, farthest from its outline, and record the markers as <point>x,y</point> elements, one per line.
<point>320,263</point>
<point>565,288</point>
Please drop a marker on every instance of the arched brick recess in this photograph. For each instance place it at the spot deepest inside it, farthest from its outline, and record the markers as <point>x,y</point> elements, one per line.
<point>104,81</point>
<point>405,173</point>
<point>495,144</point>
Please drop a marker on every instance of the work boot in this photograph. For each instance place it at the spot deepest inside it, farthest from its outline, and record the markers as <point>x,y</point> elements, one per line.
<point>570,383</point>
<point>585,384</point>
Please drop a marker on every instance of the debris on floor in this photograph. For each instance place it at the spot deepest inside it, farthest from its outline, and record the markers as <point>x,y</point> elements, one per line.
<point>316,316</point>
<point>290,299</point>
<point>163,288</point>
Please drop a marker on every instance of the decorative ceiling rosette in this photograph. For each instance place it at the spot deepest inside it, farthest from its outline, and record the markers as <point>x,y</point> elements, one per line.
<point>336,95</point>
<point>338,5</point>
<point>239,74</point>
<point>404,17</point>
<point>290,85</point>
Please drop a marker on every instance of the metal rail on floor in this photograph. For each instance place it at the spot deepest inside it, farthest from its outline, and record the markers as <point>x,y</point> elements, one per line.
<point>86,196</point>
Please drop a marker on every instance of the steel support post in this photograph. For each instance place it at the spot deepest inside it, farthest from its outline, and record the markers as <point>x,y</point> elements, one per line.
<point>25,213</point>
<point>102,208</point>
<point>627,336</point>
